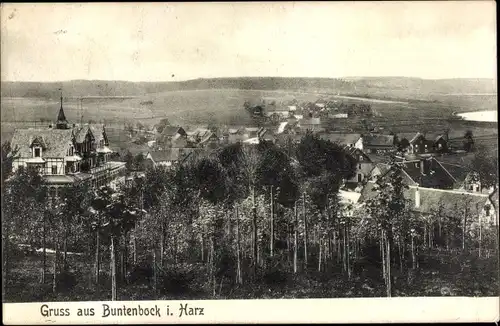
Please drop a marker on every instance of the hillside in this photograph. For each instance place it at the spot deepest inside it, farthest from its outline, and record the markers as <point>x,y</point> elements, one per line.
<point>398,87</point>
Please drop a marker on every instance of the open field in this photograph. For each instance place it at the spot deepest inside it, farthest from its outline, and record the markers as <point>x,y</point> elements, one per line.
<point>397,113</point>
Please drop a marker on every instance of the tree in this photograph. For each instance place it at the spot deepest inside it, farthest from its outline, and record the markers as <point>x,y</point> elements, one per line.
<point>387,207</point>
<point>138,162</point>
<point>468,142</point>
<point>485,166</point>
<point>129,160</point>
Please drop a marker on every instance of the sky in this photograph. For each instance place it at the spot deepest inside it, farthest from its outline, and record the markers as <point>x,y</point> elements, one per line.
<point>180,41</point>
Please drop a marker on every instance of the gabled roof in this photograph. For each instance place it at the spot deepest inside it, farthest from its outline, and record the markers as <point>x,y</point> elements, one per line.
<point>207,136</point>
<point>172,130</point>
<point>343,139</point>
<point>435,177</point>
<point>451,202</point>
<point>378,140</point>
<point>169,154</point>
<point>57,141</point>
<point>356,153</point>
<point>416,137</point>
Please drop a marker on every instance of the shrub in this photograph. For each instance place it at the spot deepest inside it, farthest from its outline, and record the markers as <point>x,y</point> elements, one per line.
<point>176,281</point>
<point>140,273</point>
<point>66,280</point>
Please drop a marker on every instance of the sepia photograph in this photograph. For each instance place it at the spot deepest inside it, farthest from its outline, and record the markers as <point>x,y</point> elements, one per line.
<point>234,151</point>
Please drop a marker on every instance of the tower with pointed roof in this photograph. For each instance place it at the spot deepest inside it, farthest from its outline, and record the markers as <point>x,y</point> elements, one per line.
<point>62,123</point>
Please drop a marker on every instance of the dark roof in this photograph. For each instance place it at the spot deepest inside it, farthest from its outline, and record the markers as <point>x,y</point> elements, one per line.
<point>61,117</point>
<point>56,141</point>
<point>172,130</point>
<point>435,177</point>
<point>378,140</point>
<point>459,172</point>
<point>356,153</point>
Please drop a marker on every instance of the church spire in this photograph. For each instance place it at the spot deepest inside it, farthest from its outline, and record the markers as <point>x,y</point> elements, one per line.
<point>61,123</point>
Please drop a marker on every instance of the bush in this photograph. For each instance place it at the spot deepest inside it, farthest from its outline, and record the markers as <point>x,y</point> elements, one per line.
<point>40,292</point>
<point>140,274</point>
<point>274,274</point>
<point>176,281</point>
<point>66,280</point>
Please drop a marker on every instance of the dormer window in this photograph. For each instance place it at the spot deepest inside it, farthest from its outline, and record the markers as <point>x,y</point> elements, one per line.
<point>37,152</point>
<point>360,158</point>
<point>71,151</point>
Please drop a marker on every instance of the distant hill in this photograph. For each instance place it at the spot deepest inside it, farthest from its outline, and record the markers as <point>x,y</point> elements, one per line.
<point>352,85</point>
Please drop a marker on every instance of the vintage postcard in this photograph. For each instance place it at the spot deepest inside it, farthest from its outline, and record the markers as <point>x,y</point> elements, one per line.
<point>260,162</point>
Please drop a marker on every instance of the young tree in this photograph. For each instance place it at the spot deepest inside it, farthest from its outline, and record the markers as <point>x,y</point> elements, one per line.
<point>388,206</point>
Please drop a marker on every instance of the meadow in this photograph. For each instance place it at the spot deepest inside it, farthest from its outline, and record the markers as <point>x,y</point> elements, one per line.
<point>397,110</point>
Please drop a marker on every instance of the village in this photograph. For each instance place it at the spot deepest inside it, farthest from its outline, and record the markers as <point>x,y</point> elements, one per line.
<point>218,154</point>
<point>85,178</point>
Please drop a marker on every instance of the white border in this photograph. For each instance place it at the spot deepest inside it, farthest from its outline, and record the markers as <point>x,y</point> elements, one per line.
<point>359,310</point>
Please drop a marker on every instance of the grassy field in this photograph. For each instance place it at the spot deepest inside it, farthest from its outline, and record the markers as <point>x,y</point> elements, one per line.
<point>429,112</point>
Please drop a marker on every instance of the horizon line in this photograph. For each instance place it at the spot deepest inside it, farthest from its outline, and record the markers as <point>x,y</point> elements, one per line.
<point>236,77</point>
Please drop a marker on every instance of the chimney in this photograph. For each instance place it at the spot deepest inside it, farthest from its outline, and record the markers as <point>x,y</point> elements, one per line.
<point>424,168</point>
<point>417,197</point>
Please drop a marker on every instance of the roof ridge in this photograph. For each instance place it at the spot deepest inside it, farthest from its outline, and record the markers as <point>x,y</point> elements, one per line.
<point>452,191</point>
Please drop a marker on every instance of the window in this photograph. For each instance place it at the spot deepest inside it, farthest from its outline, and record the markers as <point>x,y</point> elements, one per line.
<point>417,165</point>
<point>361,158</point>
<point>71,151</point>
<point>37,152</point>
<point>54,169</point>
<point>360,177</point>
<point>359,166</point>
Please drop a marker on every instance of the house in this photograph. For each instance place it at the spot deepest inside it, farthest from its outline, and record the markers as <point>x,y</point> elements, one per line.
<point>445,202</point>
<point>167,157</point>
<point>420,145</point>
<point>364,165</point>
<point>424,172</point>
<point>169,133</point>
<point>210,140</point>
<point>441,144</point>
<point>351,140</point>
<point>66,154</point>
<point>452,203</point>
<point>312,124</point>
<point>376,143</point>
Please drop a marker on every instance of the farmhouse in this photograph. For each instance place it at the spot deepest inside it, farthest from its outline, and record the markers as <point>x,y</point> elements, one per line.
<point>376,143</point>
<point>364,165</point>
<point>352,140</point>
<point>66,154</point>
<point>424,172</point>
<point>167,157</point>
